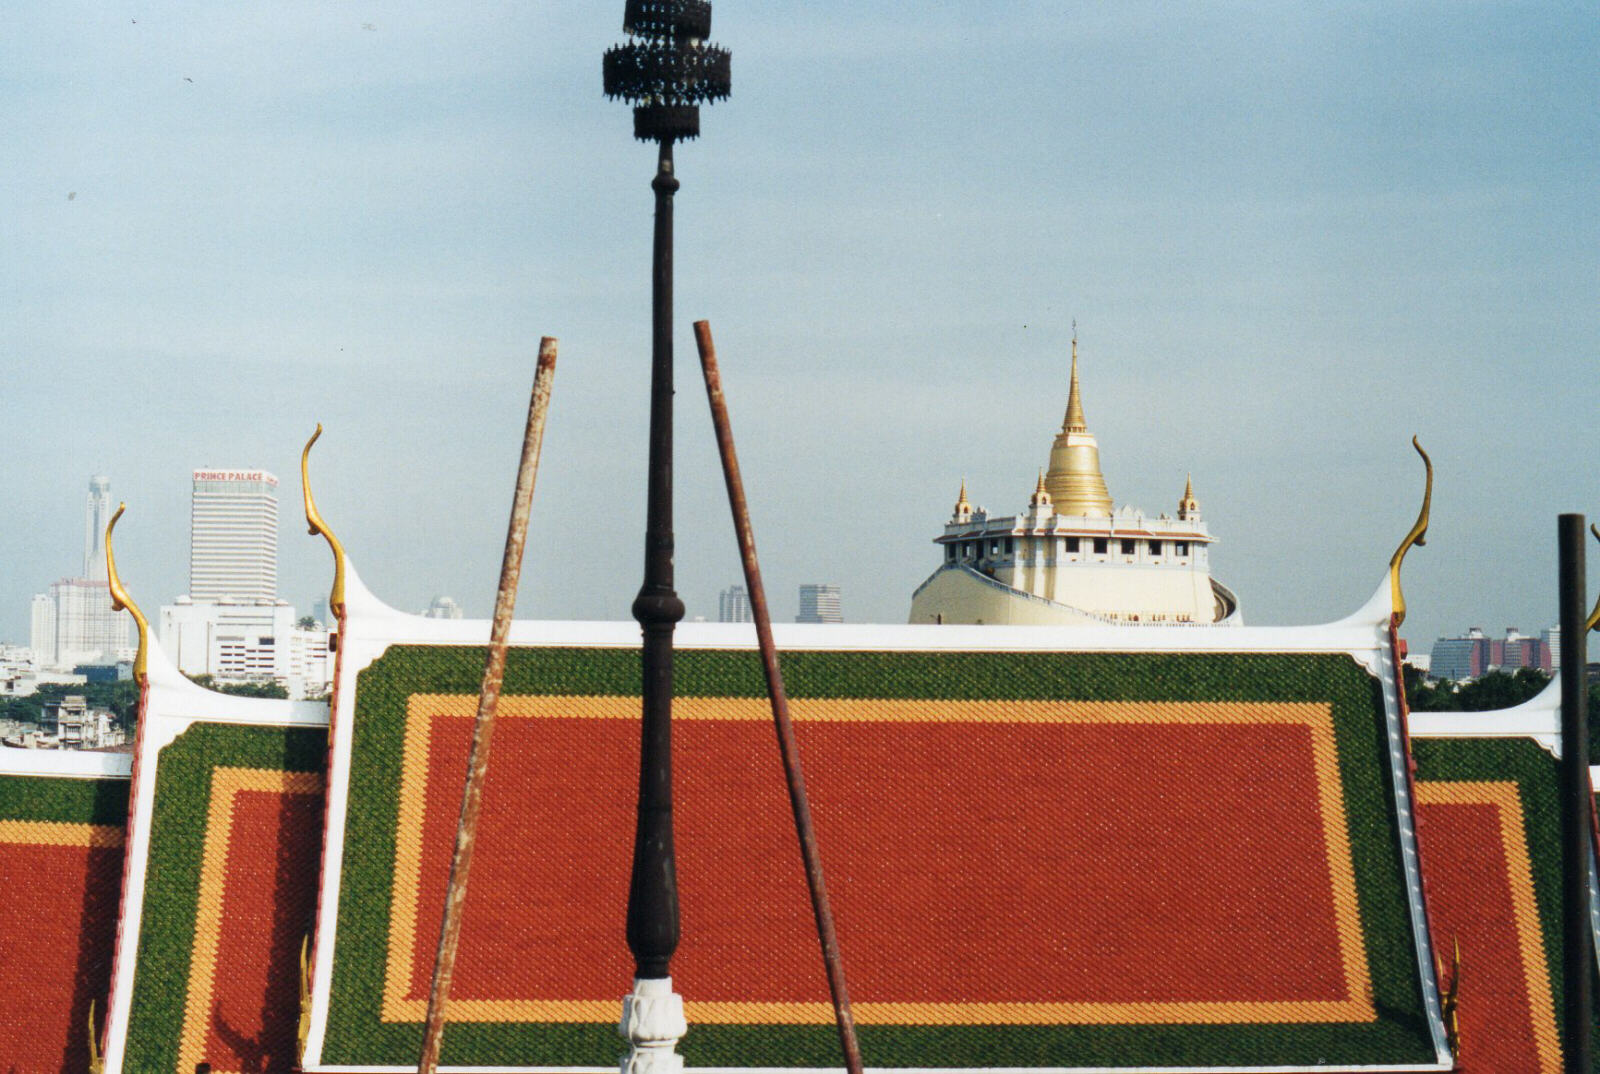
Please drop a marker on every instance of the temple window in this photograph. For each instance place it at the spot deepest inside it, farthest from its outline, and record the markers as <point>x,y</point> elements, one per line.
<point>1129,546</point>
<point>1100,545</point>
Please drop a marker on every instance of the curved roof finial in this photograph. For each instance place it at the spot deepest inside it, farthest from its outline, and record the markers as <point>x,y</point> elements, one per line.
<point>120,602</point>
<point>317,526</point>
<point>1418,535</point>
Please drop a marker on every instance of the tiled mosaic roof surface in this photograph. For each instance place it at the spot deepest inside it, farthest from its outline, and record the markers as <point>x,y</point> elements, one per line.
<point>1490,843</point>
<point>229,897</point>
<point>61,843</point>
<point>1036,860</point>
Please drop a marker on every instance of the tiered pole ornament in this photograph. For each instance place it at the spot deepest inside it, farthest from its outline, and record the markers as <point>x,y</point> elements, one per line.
<point>665,71</point>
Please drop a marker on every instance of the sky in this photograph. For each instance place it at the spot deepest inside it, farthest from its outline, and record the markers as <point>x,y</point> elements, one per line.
<point>1292,236</point>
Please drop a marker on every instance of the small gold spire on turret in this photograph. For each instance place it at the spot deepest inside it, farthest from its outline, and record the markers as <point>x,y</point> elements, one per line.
<point>1074,480</point>
<point>1041,495</point>
<point>1188,507</point>
<point>963,509</point>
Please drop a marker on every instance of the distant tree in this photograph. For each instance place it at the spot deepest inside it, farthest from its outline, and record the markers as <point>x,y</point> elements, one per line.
<point>1496,690</point>
<point>242,689</point>
<point>306,622</point>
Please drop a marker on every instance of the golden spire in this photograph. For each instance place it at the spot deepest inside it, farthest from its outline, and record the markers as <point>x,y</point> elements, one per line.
<point>1074,480</point>
<point>1041,495</point>
<point>1074,422</point>
<point>961,497</point>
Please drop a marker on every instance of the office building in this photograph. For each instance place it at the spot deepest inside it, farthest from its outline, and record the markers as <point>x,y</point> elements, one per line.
<point>733,605</point>
<point>236,641</point>
<point>233,536</point>
<point>1470,655</point>
<point>819,604</point>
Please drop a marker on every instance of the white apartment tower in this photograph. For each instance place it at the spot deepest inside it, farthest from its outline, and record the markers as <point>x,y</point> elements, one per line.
<point>733,605</point>
<point>233,536</point>
<point>73,623</point>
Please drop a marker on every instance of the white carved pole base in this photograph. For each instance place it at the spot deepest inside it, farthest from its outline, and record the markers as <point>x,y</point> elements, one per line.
<point>652,1020</point>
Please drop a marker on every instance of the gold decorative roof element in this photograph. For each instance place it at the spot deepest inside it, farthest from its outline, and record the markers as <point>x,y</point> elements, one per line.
<point>962,506</point>
<point>1188,507</point>
<point>1418,535</point>
<point>1041,495</point>
<point>314,521</point>
<point>120,602</point>
<point>1074,480</point>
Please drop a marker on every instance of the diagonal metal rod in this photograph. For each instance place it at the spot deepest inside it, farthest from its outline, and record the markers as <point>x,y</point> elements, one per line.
<point>494,667</point>
<point>787,745</point>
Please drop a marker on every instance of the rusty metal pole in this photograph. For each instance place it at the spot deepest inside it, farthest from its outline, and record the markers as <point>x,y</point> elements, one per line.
<point>1577,954</point>
<point>483,726</point>
<point>787,746</point>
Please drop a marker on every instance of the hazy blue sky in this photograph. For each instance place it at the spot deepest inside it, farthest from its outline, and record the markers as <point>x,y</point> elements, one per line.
<point>1292,235</point>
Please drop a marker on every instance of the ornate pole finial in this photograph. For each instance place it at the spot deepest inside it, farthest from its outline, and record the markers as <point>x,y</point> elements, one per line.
<point>666,71</point>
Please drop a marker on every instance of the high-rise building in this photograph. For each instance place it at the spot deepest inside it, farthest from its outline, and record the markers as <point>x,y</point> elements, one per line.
<point>233,536</point>
<point>1469,655</point>
<point>733,605</point>
<point>96,515</point>
<point>73,622</point>
<point>819,604</point>
<point>1550,649</point>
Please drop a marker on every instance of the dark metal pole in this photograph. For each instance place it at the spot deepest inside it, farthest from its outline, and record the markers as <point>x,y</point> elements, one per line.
<point>788,747</point>
<point>653,887</point>
<point>1577,953</point>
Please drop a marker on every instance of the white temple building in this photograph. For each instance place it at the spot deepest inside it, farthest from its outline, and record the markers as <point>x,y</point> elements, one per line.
<point>1071,557</point>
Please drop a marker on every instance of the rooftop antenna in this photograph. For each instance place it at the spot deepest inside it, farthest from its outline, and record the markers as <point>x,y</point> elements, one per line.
<point>665,71</point>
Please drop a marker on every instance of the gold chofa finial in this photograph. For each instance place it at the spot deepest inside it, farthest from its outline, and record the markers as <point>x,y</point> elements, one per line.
<point>1074,422</point>
<point>317,526</point>
<point>303,1031</point>
<point>1418,535</point>
<point>1594,617</point>
<point>1452,999</point>
<point>120,601</point>
<point>97,1062</point>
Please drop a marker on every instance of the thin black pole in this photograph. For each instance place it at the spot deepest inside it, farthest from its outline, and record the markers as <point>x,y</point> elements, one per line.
<point>653,887</point>
<point>1577,953</point>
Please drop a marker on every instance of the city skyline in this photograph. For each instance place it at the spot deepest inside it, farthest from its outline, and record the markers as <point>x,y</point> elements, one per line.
<point>1291,239</point>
